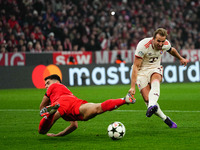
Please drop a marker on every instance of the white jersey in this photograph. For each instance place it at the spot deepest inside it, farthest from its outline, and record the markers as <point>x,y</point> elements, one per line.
<point>151,57</point>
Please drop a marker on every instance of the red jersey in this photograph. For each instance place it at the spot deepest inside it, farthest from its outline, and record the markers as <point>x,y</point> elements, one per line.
<point>69,104</point>
<point>56,90</point>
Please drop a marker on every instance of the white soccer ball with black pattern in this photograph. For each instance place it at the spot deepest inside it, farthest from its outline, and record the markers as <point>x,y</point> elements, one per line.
<point>116,130</point>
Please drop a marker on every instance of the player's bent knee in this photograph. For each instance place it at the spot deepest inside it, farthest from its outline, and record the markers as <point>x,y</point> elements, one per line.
<point>99,109</point>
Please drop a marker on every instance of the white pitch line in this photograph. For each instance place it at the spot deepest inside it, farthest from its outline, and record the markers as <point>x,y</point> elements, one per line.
<point>179,111</point>
<point>15,110</point>
<point>182,111</point>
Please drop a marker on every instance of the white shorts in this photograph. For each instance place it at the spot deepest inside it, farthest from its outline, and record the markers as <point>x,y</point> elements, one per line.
<point>144,76</point>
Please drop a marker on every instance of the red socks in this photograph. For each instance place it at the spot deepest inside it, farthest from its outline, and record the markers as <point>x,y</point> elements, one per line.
<point>112,104</point>
<point>45,124</point>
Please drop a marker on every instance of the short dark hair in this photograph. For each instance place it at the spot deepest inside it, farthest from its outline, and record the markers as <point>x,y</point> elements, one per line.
<point>161,32</point>
<point>53,77</point>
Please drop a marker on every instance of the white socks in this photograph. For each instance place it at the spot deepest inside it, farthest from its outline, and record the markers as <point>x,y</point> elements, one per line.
<point>153,98</point>
<point>154,93</point>
<point>159,112</point>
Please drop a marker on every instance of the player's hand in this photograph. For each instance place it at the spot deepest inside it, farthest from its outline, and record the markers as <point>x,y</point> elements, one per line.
<point>184,61</point>
<point>132,92</point>
<point>51,134</point>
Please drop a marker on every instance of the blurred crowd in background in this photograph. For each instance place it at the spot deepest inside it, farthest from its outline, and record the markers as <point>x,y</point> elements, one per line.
<point>91,25</point>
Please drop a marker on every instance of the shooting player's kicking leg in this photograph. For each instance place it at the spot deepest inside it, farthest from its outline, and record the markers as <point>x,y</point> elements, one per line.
<point>154,94</point>
<point>145,93</point>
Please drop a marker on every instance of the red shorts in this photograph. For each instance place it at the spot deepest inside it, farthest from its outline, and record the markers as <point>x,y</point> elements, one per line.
<point>69,108</point>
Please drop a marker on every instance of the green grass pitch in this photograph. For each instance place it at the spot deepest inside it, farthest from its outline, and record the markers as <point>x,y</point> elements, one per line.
<point>19,120</point>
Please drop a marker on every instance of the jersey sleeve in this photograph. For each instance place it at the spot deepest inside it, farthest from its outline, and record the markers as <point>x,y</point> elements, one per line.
<point>167,46</point>
<point>46,94</point>
<point>140,50</point>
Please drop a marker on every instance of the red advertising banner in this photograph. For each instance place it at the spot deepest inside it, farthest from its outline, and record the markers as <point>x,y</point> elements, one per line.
<point>62,58</point>
<point>12,59</point>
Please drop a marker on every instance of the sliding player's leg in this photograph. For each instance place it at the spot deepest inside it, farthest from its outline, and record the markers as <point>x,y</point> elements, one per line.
<point>47,122</point>
<point>90,110</point>
<point>51,109</point>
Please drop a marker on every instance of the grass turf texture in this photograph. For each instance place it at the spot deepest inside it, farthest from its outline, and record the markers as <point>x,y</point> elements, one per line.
<point>19,117</point>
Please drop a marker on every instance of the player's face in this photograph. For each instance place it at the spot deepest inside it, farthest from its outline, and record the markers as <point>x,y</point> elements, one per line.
<point>159,41</point>
<point>48,82</point>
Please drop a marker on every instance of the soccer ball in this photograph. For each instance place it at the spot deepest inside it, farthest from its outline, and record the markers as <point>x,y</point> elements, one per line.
<point>116,130</point>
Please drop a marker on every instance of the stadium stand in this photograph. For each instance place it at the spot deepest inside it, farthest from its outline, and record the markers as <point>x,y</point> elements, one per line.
<point>91,25</point>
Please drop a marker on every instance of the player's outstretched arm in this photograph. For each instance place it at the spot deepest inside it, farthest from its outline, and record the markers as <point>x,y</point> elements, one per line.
<point>45,102</point>
<point>136,65</point>
<point>73,126</point>
<point>175,53</point>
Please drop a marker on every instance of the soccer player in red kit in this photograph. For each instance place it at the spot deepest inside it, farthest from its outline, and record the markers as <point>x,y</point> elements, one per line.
<point>64,104</point>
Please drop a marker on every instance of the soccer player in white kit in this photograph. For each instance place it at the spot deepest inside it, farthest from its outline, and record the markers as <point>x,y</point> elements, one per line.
<point>147,72</point>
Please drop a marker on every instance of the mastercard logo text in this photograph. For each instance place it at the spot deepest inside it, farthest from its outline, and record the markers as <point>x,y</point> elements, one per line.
<point>41,71</point>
